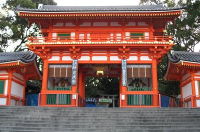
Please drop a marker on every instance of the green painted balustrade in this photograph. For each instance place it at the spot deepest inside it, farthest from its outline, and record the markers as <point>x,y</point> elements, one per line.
<point>63,99</point>
<point>60,88</point>
<point>137,99</point>
<point>129,88</point>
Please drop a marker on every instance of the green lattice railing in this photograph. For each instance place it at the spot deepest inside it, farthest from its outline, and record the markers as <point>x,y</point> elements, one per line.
<point>59,88</point>
<point>129,88</point>
<point>139,99</point>
<point>60,99</point>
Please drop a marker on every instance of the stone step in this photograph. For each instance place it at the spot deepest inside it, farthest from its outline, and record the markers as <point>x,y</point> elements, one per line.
<point>65,127</point>
<point>99,109</point>
<point>15,122</point>
<point>99,120</point>
<point>96,117</point>
<point>98,130</point>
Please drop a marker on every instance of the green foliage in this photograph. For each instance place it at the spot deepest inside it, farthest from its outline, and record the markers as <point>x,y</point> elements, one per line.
<point>20,30</point>
<point>45,2</point>
<point>186,33</point>
<point>101,85</point>
<point>186,28</point>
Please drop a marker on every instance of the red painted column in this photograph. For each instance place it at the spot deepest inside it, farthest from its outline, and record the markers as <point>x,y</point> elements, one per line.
<point>181,90</point>
<point>155,83</point>
<point>50,35</point>
<point>80,87</point>
<point>83,87</point>
<point>24,91</point>
<point>44,82</point>
<point>151,29</point>
<point>10,75</point>
<point>193,91</point>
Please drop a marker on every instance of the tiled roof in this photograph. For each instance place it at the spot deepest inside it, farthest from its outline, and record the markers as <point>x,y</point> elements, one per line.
<point>54,8</point>
<point>25,57</point>
<point>177,56</point>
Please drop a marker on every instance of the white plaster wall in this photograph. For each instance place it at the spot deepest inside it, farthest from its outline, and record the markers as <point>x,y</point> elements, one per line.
<point>3,101</point>
<point>6,87</point>
<point>84,58</point>
<point>114,24</point>
<point>66,58</point>
<point>86,24</point>
<point>18,75</point>
<point>198,103</point>
<point>3,77</point>
<point>142,24</point>
<point>131,24</point>
<point>69,24</point>
<point>146,35</point>
<point>55,58</point>
<point>17,89</point>
<point>114,58</point>
<point>185,76</point>
<point>187,90</point>
<point>73,35</point>
<point>58,24</point>
<point>99,58</point>
<point>3,72</point>
<point>100,24</point>
<point>133,58</point>
<point>145,58</point>
<point>127,35</point>
<point>196,87</point>
<point>54,35</point>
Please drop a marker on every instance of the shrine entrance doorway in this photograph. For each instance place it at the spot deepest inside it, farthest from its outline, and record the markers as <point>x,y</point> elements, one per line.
<point>99,85</point>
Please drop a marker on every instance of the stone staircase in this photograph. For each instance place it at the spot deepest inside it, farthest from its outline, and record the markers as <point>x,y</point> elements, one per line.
<point>46,119</point>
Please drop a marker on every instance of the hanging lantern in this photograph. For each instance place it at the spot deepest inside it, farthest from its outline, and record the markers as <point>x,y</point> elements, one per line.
<point>100,69</point>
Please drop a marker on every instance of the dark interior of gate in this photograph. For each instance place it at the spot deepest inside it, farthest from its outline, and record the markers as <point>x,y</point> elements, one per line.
<point>99,85</point>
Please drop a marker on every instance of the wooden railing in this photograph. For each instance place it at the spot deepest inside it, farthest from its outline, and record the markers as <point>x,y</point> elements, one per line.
<point>129,88</point>
<point>142,100</point>
<point>58,100</point>
<point>19,101</point>
<point>139,100</point>
<point>100,39</point>
<point>189,101</point>
<point>59,88</point>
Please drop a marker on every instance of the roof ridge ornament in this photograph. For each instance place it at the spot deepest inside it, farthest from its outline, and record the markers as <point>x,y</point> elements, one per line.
<point>40,6</point>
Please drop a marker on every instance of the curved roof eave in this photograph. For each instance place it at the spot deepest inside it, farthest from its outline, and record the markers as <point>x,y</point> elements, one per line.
<point>99,9</point>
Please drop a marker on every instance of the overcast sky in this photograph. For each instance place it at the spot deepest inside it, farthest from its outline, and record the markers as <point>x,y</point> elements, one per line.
<point>96,3</point>
<point>99,3</point>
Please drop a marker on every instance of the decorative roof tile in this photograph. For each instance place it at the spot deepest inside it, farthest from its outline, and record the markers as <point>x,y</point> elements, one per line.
<point>54,8</point>
<point>25,57</point>
<point>177,56</point>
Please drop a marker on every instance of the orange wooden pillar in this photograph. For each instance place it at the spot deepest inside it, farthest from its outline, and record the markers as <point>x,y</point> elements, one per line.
<point>44,82</point>
<point>83,88</point>
<point>80,86</point>
<point>24,92</point>
<point>181,90</point>
<point>193,97</point>
<point>10,75</point>
<point>155,82</point>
